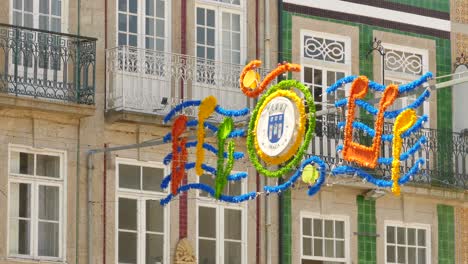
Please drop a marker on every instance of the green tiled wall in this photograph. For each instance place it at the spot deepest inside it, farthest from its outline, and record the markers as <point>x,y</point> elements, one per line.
<point>445,218</point>
<point>439,5</point>
<point>366,225</point>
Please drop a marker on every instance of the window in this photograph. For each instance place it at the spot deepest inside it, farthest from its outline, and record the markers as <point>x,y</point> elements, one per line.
<point>142,223</point>
<point>403,65</point>
<point>326,59</point>
<point>324,239</point>
<point>406,243</point>
<point>221,227</point>
<point>143,24</point>
<point>37,204</point>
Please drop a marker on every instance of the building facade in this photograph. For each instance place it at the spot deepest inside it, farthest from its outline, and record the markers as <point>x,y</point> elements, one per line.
<point>84,87</point>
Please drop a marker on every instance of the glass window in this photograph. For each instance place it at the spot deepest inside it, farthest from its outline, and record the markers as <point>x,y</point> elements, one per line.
<point>323,240</point>
<point>406,244</point>
<point>35,177</point>
<point>141,230</point>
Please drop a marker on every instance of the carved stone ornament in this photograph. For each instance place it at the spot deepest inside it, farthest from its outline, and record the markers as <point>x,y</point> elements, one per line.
<point>184,253</point>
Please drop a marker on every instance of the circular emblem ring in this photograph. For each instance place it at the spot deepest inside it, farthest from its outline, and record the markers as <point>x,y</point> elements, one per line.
<point>279,127</point>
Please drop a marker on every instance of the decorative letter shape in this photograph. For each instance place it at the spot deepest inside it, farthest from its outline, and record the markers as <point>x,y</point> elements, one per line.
<point>223,172</point>
<point>364,155</point>
<point>403,122</point>
<point>179,152</point>
<point>206,108</point>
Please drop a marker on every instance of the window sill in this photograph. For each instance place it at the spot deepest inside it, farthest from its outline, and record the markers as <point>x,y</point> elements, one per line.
<point>26,260</point>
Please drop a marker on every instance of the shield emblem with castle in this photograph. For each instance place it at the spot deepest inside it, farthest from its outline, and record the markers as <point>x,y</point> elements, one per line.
<point>275,127</point>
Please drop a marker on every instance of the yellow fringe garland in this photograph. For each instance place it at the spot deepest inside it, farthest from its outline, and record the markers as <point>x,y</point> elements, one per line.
<point>205,109</point>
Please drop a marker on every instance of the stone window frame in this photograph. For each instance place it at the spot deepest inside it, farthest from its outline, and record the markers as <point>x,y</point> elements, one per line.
<point>406,226</point>
<point>141,196</point>
<point>35,181</point>
<point>342,218</point>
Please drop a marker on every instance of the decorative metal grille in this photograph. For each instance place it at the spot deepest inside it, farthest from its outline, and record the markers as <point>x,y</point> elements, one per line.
<point>446,162</point>
<point>140,79</point>
<point>403,62</point>
<point>324,49</point>
<point>44,64</point>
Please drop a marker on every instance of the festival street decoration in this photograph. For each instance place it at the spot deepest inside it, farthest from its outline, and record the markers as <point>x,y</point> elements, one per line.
<point>280,129</point>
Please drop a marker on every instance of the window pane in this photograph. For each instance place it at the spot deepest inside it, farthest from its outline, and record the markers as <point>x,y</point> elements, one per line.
<point>48,166</point>
<point>154,248</point>
<point>339,229</point>
<point>411,255</point>
<point>401,252</point>
<point>390,253</point>
<point>132,6</point>
<point>307,75</point>
<point>22,163</point>
<point>306,227</point>
<point>411,236</point>
<point>150,7</point>
<point>122,39</point>
<point>132,40</point>
<point>127,214</point>
<point>318,227</point>
<point>318,247</point>
<point>390,234</point>
<point>232,224</point>
<point>160,28</point>
<point>132,24</point>
<point>123,5</point>
<point>318,77</point>
<point>20,200</point>
<point>208,180</point>
<point>55,24</point>
<point>328,228</point>
<point>20,234</point>
<point>127,247</point>
<point>129,176</point>
<point>234,188</point>
<point>48,244</point>
<point>160,8</point>
<point>210,54</point>
<point>236,41</point>
<point>28,5</point>
<point>207,251</point>
<point>200,16</point>
<point>44,6</point>
<point>421,255</point>
<point>235,22</point>
<point>56,7</point>
<point>421,237</point>
<point>210,37</point>
<point>200,35</point>
<point>232,253</point>
<point>149,26</point>
<point>207,222</point>
<point>152,178</point>
<point>17,4</point>
<point>307,246</point>
<point>339,249</point>
<point>154,216</point>
<point>159,44</point>
<point>44,22</point>
<point>210,18</point>
<point>49,203</point>
<point>401,235</point>
<point>329,248</point>
<point>226,18</point>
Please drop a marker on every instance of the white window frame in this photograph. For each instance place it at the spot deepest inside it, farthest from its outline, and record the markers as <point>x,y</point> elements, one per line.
<point>396,224</point>
<point>141,196</point>
<point>141,24</point>
<point>64,16</point>
<point>35,181</point>
<point>219,7</point>
<point>220,206</point>
<point>347,237</point>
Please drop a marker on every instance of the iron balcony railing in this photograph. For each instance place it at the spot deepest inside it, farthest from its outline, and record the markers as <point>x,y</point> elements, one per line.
<point>445,153</point>
<point>152,82</point>
<point>42,64</point>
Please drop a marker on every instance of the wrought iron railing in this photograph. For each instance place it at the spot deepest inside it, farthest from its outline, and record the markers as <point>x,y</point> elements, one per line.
<point>445,153</point>
<point>152,82</point>
<point>42,64</point>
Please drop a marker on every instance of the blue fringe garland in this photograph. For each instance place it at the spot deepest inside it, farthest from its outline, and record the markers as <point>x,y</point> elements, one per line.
<point>232,113</point>
<point>191,144</point>
<point>179,108</point>
<point>379,87</point>
<point>387,137</point>
<point>373,180</point>
<point>406,155</point>
<point>388,114</point>
<point>210,191</point>
<point>313,189</point>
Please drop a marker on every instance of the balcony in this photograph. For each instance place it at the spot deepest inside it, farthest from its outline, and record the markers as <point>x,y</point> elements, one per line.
<point>144,84</point>
<point>54,68</point>
<point>446,153</point>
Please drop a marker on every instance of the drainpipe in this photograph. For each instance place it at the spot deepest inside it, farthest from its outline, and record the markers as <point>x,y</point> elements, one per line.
<point>105,57</point>
<point>257,175</point>
<point>280,180</point>
<point>104,205</point>
<point>267,54</point>
<point>77,202</point>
